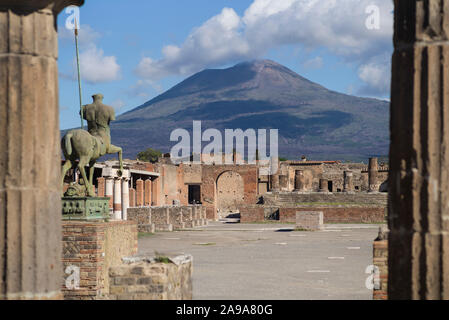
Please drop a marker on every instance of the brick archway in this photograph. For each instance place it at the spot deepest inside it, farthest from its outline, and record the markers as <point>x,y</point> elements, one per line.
<point>210,176</point>
<point>229,193</point>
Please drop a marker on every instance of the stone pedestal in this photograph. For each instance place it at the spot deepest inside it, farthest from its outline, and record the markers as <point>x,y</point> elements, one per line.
<point>419,157</point>
<point>84,209</point>
<point>309,220</point>
<point>30,157</point>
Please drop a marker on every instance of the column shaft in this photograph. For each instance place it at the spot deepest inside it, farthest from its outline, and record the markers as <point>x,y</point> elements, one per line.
<point>419,154</point>
<point>30,158</point>
<point>125,198</point>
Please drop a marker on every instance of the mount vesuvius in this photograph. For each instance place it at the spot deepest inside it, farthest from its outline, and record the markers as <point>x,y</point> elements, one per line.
<point>263,94</point>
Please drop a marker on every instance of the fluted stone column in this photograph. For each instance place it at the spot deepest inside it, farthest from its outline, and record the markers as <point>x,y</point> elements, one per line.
<point>373,172</point>
<point>125,198</point>
<point>30,158</point>
<point>419,153</point>
<point>348,181</point>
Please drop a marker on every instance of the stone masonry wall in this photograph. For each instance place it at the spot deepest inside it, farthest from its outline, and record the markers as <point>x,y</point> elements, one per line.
<point>93,247</point>
<point>143,278</point>
<point>259,213</point>
<point>151,219</point>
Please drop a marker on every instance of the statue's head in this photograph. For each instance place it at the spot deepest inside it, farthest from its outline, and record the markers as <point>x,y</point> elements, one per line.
<point>98,97</point>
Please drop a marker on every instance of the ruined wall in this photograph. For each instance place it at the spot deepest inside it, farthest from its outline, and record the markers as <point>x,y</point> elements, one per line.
<point>148,279</point>
<point>93,247</point>
<point>291,199</point>
<point>230,192</point>
<point>210,174</point>
<point>258,213</point>
<point>168,218</point>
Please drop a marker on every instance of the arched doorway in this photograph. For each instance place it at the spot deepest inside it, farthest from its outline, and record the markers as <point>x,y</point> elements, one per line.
<point>230,193</point>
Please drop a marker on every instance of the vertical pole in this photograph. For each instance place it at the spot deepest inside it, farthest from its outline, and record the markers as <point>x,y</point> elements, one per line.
<point>79,73</point>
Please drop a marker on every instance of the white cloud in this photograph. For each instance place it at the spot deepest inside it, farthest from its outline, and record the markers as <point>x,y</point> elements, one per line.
<point>377,76</point>
<point>96,67</point>
<point>87,36</point>
<point>336,25</point>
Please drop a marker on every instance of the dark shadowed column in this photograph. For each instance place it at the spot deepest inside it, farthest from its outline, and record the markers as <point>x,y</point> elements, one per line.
<point>419,154</point>
<point>30,157</point>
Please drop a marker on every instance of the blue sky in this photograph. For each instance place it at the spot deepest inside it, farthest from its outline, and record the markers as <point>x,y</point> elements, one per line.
<point>132,53</point>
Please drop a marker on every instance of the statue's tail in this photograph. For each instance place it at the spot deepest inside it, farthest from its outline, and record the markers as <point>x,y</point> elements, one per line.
<point>68,143</point>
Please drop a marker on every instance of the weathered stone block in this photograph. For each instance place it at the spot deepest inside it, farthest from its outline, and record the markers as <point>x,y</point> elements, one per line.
<point>309,220</point>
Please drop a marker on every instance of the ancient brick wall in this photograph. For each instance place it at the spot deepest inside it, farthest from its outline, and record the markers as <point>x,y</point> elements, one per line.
<point>291,199</point>
<point>338,215</point>
<point>259,213</point>
<point>93,247</point>
<point>141,279</point>
<point>210,174</point>
<point>380,260</point>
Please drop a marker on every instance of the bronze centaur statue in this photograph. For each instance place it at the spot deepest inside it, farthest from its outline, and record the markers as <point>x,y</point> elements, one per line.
<point>88,146</point>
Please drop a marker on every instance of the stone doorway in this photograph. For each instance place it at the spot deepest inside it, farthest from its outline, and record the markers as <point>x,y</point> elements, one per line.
<point>194,194</point>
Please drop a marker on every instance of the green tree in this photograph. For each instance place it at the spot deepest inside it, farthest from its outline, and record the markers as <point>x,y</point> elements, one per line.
<point>149,155</point>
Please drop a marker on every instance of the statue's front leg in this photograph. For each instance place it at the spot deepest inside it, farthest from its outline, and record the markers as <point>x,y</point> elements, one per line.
<point>115,149</point>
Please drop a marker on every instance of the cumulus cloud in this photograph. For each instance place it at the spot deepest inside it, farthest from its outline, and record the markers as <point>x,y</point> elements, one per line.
<point>96,67</point>
<point>338,26</point>
<point>87,36</point>
<point>376,75</point>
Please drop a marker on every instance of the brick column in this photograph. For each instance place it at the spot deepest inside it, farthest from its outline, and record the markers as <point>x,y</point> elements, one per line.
<point>419,152</point>
<point>101,186</point>
<point>117,199</point>
<point>110,192</point>
<point>125,198</point>
<point>30,157</point>
<point>373,183</point>
<point>348,182</point>
<point>155,192</point>
<point>139,193</point>
<point>132,197</point>
<point>148,192</point>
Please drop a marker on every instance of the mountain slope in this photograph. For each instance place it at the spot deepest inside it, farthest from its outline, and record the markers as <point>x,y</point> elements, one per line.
<point>312,120</point>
